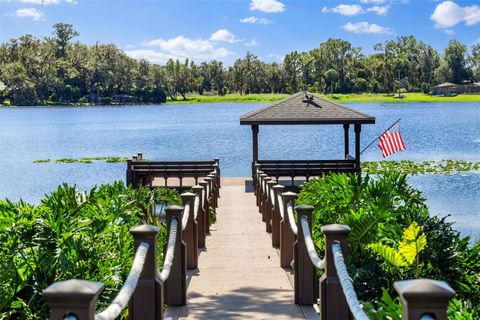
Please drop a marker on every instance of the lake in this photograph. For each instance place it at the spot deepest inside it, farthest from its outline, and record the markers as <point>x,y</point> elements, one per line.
<point>432,131</point>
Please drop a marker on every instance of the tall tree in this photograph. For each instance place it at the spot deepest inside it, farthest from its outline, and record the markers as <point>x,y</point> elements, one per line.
<point>455,56</point>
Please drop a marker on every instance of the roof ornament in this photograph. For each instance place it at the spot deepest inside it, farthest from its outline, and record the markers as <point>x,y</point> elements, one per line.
<point>308,99</point>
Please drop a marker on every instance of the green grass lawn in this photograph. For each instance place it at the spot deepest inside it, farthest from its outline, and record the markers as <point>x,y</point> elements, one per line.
<point>263,97</point>
<point>365,97</point>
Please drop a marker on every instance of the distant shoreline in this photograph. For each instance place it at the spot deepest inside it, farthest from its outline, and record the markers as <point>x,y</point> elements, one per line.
<point>272,97</point>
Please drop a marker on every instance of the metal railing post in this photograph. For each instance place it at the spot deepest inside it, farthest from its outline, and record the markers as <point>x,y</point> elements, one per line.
<point>306,280</point>
<point>201,231</point>
<point>190,233</point>
<point>176,284</point>
<point>333,304</point>
<point>206,206</point>
<point>287,237</point>
<point>270,206</point>
<point>144,303</point>
<point>276,218</point>
<point>73,297</point>
<point>424,297</point>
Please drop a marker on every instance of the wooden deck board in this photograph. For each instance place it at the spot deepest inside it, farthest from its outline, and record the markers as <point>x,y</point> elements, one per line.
<point>239,276</point>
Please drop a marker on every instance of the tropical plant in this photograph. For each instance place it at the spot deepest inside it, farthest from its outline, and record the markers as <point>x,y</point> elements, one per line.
<point>406,253</point>
<point>380,211</point>
<point>70,234</point>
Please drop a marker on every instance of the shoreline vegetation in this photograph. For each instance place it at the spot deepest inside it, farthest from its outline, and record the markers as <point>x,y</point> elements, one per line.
<point>439,167</point>
<point>59,70</point>
<point>411,97</point>
<point>340,98</point>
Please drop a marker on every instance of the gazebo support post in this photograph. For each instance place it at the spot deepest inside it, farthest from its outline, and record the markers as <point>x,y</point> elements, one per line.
<point>358,129</point>
<point>254,145</point>
<point>346,126</point>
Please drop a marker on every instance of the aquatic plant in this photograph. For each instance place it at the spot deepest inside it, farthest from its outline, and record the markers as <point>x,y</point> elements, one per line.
<point>111,159</point>
<point>420,167</point>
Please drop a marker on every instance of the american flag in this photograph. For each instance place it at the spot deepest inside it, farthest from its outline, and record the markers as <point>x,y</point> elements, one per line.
<point>391,142</point>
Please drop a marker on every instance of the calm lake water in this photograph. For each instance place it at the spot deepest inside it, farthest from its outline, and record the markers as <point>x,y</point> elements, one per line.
<point>432,131</point>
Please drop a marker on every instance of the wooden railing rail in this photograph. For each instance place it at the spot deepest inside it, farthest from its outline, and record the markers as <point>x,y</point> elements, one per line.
<point>421,298</point>
<point>142,173</point>
<point>305,169</point>
<point>146,289</point>
<point>337,296</point>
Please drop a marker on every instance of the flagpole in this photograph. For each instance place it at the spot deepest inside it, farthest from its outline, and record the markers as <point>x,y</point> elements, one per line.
<point>380,135</point>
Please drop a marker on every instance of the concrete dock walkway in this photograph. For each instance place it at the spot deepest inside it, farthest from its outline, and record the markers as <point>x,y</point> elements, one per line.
<point>239,274</point>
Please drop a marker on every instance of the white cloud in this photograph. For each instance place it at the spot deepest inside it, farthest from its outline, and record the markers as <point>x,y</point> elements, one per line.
<point>345,9</point>
<point>251,43</point>
<point>44,2</point>
<point>179,48</point>
<point>223,35</point>
<point>269,6</point>
<point>47,2</point>
<point>380,10</point>
<point>373,1</point>
<point>365,27</point>
<point>447,14</point>
<point>254,19</point>
<point>151,55</point>
<point>450,32</point>
<point>30,13</point>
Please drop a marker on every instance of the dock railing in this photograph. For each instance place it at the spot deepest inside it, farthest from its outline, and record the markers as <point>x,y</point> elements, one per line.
<point>334,292</point>
<point>146,290</point>
<point>142,172</point>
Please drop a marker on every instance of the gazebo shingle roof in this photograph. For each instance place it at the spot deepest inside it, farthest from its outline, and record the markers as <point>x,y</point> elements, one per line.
<point>297,109</point>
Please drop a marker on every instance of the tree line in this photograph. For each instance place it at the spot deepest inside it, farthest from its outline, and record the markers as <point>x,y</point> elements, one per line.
<point>57,70</point>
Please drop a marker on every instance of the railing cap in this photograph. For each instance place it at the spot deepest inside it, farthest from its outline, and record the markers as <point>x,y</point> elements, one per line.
<point>424,289</point>
<point>208,178</point>
<point>256,164</point>
<point>74,289</point>
<point>144,229</point>
<point>188,195</point>
<point>263,175</point>
<point>335,229</point>
<point>271,182</point>
<point>278,187</point>
<point>174,208</point>
<point>304,207</point>
<point>197,188</point>
<point>203,183</point>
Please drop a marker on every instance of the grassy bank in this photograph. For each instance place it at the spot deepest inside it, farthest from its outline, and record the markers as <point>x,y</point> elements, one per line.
<point>234,97</point>
<point>272,97</point>
<point>341,98</point>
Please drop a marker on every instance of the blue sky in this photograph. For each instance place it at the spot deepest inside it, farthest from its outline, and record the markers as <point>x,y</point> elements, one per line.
<point>226,30</point>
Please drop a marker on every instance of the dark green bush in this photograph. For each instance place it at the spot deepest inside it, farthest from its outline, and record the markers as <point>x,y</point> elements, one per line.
<point>378,210</point>
<point>105,100</point>
<point>70,234</point>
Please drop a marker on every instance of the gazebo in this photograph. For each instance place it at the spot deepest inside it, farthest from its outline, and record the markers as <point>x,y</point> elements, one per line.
<point>304,108</point>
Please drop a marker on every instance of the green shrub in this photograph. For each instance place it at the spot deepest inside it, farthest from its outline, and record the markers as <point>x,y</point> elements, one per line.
<point>378,211</point>
<point>70,234</point>
<point>105,100</point>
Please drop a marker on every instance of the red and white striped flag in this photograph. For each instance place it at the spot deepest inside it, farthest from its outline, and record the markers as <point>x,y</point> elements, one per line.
<point>391,142</point>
